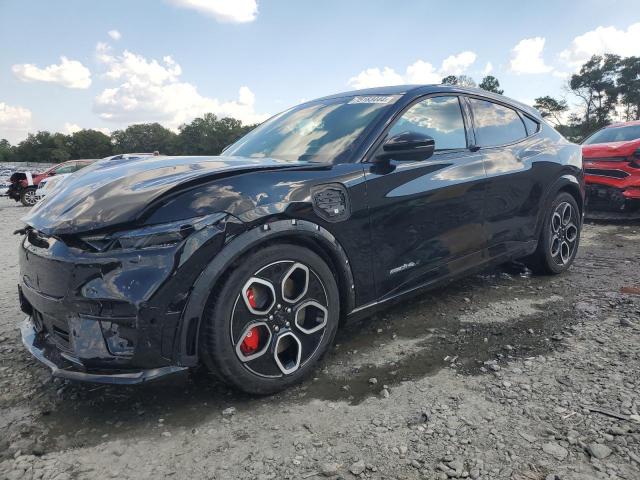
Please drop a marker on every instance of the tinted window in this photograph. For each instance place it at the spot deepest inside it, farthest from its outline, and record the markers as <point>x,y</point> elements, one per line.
<point>532,126</point>
<point>438,117</point>
<point>495,124</point>
<point>614,134</point>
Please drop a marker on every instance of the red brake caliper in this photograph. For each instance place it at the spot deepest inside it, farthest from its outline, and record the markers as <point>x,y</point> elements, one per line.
<point>250,342</point>
<point>251,296</point>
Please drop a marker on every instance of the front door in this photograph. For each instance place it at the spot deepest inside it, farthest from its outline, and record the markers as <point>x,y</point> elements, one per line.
<point>426,216</point>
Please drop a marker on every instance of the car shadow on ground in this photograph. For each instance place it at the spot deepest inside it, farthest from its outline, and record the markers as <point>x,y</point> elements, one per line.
<point>408,341</point>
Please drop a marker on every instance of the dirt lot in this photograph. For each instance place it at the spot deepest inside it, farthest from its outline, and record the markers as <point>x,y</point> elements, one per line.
<point>502,375</point>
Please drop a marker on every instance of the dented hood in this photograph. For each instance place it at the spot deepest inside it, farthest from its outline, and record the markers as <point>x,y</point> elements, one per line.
<point>114,192</point>
<point>611,149</point>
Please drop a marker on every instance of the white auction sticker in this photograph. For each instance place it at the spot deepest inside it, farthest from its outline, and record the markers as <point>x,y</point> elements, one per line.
<point>371,99</point>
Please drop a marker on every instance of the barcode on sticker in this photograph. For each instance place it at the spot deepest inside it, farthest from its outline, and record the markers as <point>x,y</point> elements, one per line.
<point>371,99</point>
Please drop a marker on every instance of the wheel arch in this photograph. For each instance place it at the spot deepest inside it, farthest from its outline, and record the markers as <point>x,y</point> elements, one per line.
<point>299,232</point>
<point>569,183</point>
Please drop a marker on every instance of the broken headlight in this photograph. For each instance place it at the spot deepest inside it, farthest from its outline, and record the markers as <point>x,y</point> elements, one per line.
<point>152,236</point>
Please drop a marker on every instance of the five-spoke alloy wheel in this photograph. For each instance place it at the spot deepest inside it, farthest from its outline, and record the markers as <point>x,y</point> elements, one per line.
<point>564,233</point>
<point>559,238</point>
<point>273,319</point>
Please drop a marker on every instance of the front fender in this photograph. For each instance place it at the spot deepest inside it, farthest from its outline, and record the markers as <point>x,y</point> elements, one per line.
<point>299,231</point>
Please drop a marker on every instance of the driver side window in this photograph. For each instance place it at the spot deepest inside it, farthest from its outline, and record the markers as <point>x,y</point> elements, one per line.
<point>438,117</point>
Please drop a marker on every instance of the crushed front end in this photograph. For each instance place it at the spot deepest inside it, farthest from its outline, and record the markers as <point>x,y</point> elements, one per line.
<point>613,186</point>
<point>107,307</point>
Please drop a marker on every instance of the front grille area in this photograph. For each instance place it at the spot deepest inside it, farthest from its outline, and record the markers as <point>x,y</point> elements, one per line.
<point>609,199</point>
<point>601,172</point>
<point>605,159</point>
<point>56,329</point>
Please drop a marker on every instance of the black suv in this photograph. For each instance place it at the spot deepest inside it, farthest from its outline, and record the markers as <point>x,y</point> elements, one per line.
<point>249,261</point>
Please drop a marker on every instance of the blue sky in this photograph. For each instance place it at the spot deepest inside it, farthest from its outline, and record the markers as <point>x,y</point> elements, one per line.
<point>171,60</point>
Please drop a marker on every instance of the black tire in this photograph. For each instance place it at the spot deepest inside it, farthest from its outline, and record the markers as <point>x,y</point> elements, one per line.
<point>227,320</point>
<point>28,197</point>
<point>547,259</point>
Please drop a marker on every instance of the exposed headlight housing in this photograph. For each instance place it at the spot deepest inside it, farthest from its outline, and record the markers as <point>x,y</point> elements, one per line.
<point>152,236</point>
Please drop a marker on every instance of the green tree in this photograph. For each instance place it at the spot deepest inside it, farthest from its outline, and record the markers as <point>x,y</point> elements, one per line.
<point>595,86</point>
<point>450,80</point>
<point>89,144</point>
<point>628,87</point>
<point>460,80</point>
<point>6,151</point>
<point>144,137</point>
<point>43,147</point>
<point>551,109</point>
<point>208,135</point>
<point>491,84</point>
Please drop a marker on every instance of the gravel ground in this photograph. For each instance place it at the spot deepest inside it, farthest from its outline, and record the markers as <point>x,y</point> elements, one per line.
<point>497,376</point>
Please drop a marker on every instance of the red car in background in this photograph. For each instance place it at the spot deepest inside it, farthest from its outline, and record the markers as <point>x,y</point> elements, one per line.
<point>23,185</point>
<point>611,158</point>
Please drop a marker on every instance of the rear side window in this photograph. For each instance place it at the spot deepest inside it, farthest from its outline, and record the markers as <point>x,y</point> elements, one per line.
<point>495,124</point>
<point>438,117</point>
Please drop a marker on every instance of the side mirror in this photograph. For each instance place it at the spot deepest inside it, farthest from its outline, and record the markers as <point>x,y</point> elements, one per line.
<point>407,146</point>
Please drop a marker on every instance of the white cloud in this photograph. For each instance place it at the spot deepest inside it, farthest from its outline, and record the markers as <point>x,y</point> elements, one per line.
<point>526,56</point>
<point>151,90</point>
<point>457,64</point>
<point>374,77</point>
<point>224,11</point>
<point>488,68</point>
<point>69,73</point>
<point>70,128</point>
<point>114,34</point>
<point>422,72</point>
<point>602,40</point>
<point>418,72</point>
<point>14,122</point>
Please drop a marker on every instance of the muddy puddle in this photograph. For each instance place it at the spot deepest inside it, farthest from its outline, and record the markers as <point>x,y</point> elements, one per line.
<point>406,342</point>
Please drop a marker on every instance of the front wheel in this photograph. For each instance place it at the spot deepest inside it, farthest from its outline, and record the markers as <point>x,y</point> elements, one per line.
<point>272,320</point>
<point>559,238</point>
<point>28,197</point>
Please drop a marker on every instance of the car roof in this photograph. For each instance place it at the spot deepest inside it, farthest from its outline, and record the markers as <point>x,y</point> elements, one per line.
<point>623,124</point>
<point>416,90</point>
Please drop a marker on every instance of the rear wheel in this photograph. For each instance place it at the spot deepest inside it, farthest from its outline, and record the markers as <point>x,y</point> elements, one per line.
<point>559,238</point>
<point>272,320</point>
<point>28,197</point>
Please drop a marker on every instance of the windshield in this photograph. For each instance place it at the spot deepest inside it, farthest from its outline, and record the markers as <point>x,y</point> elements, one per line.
<point>614,134</point>
<point>326,131</point>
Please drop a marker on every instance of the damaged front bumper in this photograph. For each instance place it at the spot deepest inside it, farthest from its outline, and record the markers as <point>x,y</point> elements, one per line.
<point>63,365</point>
<point>114,316</point>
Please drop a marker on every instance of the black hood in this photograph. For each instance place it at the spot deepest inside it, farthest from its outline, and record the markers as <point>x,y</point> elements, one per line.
<point>114,192</point>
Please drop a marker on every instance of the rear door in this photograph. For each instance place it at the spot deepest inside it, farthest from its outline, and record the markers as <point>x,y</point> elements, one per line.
<point>507,140</point>
<point>426,216</point>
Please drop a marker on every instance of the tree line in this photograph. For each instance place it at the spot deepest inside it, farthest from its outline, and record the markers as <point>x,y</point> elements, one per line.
<point>607,89</point>
<point>206,135</point>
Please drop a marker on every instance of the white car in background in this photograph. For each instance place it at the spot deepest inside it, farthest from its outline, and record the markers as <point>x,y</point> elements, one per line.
<point>49,185</point>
